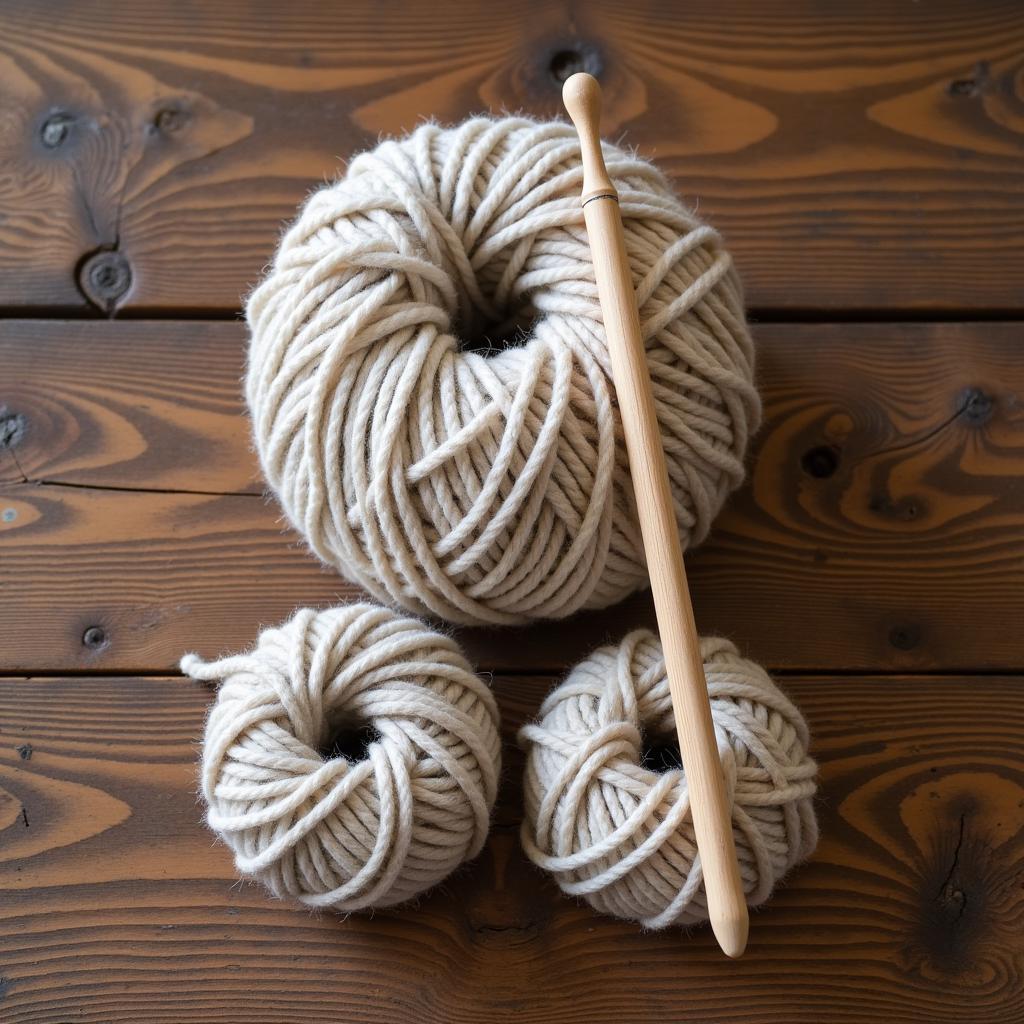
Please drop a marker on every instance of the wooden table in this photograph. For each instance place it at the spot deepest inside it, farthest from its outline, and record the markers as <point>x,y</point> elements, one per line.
<point>866,164</point>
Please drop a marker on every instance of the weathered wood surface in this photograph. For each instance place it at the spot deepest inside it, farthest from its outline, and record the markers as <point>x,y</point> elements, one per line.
<point>856,156</point>
<point>116,906</point>
<point>882,527</point>
<point>864,162</point>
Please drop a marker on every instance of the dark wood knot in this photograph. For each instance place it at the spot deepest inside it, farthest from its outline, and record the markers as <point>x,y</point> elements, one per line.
<point>104,278</point>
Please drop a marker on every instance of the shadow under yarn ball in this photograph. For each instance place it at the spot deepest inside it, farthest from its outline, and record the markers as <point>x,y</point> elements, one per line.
<point>489,485</point>
<point>350,759</point>
<point>616,830</point>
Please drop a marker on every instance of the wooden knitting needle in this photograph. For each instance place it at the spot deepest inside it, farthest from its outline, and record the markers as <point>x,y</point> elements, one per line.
<point>712,817</point>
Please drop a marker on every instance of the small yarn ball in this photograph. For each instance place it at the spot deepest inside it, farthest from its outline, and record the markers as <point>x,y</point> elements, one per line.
<point>619,832</point>
<point>328,830</point>
<point>449,473</point>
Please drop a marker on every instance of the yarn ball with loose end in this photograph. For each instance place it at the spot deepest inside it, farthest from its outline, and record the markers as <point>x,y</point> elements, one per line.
<point>327,829</point>
<point>447,472</point>
<point>616,830</point>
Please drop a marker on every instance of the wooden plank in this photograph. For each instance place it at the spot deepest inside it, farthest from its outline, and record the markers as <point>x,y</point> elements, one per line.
<point>130,405</point>
<point>881,528</point>
<point>864,157</point>
<point>117,907</point>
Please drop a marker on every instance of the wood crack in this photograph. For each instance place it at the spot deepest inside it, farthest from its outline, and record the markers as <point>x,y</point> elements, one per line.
<point>122,489</point>
<point>964,407</point>
<point>17,465</point>
<point>949,893</point>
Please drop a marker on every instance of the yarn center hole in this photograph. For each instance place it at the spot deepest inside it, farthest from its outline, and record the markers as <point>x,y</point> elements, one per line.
<point>489,338</point>
<point>660,754</point>
<point>351,741</point>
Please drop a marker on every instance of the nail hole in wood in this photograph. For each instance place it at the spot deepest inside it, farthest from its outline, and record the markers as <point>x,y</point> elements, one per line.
<point>56,129</point>
<point>95,638</point>
<point>905,637</point>
<point>977,406</point>
<point>566,62</point>
<point>821,461</point>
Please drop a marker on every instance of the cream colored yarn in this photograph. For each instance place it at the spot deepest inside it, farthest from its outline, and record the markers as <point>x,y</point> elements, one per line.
<point>488,487</point>
<point>620,835</point>
<point>328,831</point>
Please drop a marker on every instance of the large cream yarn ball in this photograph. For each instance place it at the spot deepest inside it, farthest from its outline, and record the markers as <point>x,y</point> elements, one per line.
<point>619,833</point>
<point>327,830</point>
<point>488,486</point>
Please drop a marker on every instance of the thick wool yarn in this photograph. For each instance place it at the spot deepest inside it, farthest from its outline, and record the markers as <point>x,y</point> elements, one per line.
<point>488,486</point>
<point>326,830</point>
<point>619,833</point>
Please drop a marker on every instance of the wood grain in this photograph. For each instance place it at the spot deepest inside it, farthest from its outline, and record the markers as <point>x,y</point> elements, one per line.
<point>861,159</point>
<point>864,157</point>
<point>115,906</point>
<point>140,406</point>
<point>881,528</point>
